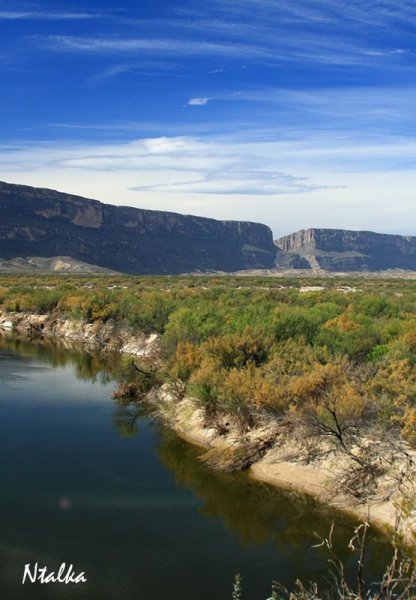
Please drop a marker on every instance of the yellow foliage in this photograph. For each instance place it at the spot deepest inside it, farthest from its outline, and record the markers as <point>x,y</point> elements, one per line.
<point>343,322</point>
<point>395,380</point>
<point>329,393</point>
<point>291,357</point>
<point>70,303</point>
<point>236,351</point>
<point>409,338</point>
<point>207,374</point>
<point>187,360</point>
<point>396,383</point>
<point>252,387</point>
<point>102,313</point>
<point>409,425</point>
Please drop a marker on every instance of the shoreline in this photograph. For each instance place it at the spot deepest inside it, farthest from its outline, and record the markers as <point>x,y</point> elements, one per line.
<point>108,337</point>
<point>284,466</point>
<point>279,459</point>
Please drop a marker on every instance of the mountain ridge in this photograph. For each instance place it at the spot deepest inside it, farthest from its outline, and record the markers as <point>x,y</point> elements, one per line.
<point>39,224</point>
<point>46,223</point>
<point>347,250</point>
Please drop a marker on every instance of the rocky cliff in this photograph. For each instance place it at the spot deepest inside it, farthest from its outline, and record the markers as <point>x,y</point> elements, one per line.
<point>46,223</point>
<point>343,250</point>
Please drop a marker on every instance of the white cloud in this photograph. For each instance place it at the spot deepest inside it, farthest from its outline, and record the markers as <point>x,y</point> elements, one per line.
<point>198,101</point>
<point>321,181</point>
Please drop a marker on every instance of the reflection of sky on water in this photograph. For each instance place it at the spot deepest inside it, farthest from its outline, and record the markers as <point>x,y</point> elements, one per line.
<point>55,384</point>
<point>14,370</point>
<point>11,380</point>
<point>140,514</point>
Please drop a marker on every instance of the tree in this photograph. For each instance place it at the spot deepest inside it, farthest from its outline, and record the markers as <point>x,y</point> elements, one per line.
<point>329,399</point>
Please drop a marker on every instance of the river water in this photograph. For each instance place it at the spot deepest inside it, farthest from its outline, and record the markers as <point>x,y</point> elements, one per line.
<point>121,498</point>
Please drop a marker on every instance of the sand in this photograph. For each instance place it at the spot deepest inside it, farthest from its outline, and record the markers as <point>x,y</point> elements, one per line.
<point>286,465</point>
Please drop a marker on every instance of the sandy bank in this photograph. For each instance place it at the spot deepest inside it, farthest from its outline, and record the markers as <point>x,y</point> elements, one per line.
<point>306,467</point>
<point>320,481</point>
<point>273,451</point>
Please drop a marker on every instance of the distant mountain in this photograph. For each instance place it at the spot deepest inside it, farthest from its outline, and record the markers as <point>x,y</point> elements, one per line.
<point>45,230</point>
<point>343,250</point>
<point>45,223</point>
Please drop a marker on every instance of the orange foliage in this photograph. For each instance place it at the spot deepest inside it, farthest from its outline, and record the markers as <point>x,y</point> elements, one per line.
<point>329,399</point>
<point>395,383</point>
<point>344,323</point>
<point>236,351</point>
<point>252,387</point>
<point>409,338</point>
<point>187,360</point>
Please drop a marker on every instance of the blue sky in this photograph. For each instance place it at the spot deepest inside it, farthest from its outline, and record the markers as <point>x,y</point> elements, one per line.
<point>295,113</point>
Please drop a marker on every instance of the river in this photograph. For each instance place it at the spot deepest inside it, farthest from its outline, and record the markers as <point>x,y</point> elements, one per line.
<point>125,501</point>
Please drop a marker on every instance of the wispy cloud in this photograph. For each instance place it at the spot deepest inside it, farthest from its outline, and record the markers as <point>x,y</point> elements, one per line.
<point>381,13</point>
<point>382,110</point>
<point>330,33</point>
<point>328,180</point>
<point>46,16</point>
<point>110,72</point>
<point>246,183</point>
<point>105,45</point>
<point>151,67</point>
<point>205,159</point>
<point>175,164</point>
<point>275,46</point>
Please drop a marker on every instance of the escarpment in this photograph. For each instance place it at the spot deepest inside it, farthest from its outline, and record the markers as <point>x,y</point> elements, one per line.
<point>344,250</point>
<point>38,222</point>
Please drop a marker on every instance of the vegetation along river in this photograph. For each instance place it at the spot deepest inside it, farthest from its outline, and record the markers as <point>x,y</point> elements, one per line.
<point>108,489</point>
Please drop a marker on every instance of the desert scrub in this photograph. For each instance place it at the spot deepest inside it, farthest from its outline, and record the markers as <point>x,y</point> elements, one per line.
<point>252,346</point>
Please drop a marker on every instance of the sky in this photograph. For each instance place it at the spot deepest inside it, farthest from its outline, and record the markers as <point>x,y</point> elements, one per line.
<point>293,113</point>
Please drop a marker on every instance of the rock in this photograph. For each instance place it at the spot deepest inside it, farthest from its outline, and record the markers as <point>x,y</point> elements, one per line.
<point>106,337</point>
<point>38,222</point>
<point>343,250</point>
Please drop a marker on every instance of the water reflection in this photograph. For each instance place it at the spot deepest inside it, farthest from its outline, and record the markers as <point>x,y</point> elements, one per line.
<point>265,523</point>
<point>126,418</point>
<point>259,513</point>
<point>88,365</point>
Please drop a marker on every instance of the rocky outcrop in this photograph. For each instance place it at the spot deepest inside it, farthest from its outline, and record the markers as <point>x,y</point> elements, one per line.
<point>46,223</point>
<point>105,337</point>
<point>45,230</point>
<point>343,250</point>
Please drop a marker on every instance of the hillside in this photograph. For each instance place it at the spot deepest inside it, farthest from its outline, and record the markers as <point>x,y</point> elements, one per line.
<point>40,226</point>
<point>343,250</point>
<point>45,223</point>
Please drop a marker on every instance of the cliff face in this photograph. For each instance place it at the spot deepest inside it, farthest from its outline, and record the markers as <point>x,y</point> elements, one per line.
<point>343,250</point>
<point>46,223</point>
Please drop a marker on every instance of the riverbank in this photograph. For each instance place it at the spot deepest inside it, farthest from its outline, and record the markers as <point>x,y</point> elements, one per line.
<point>108,337</point>
<point>274,451</point>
